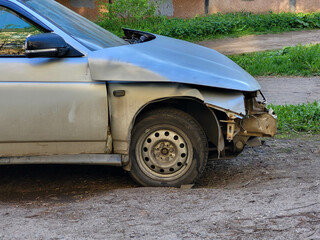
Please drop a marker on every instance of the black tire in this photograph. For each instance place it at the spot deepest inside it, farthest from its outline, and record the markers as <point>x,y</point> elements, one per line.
<point>168,148</point>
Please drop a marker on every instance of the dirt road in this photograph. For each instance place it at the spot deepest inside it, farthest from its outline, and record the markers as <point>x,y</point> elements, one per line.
<point>290,90</point>
<point>255,43</point>
<point>269,192</point>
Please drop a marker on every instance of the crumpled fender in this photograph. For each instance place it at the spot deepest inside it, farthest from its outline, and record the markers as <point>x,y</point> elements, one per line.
<point>138,95</point>
<point>225,100</point>
<point>169,60</point>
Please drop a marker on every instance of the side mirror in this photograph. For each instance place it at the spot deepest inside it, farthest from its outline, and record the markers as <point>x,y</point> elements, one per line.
<point>45,45</point>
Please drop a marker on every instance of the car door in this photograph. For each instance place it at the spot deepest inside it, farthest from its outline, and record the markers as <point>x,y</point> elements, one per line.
<point>47,105</point>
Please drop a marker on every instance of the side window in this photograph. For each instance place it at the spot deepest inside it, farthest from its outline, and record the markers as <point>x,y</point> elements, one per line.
<point>13,32</point>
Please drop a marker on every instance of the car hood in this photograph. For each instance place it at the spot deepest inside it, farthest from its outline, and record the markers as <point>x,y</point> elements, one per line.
<point>169,60</point>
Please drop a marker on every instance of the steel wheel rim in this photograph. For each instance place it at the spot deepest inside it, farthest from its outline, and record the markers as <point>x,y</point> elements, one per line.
<point>164,153</point>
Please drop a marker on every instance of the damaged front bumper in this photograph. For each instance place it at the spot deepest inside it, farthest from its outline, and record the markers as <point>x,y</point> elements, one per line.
<point>259,121</point>
<point>241,127</point>
<point>258,125</point>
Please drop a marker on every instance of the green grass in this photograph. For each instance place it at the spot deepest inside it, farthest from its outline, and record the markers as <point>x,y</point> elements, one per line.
<point>290,61</point>
<point>302,118</point>
<point>217,25</point>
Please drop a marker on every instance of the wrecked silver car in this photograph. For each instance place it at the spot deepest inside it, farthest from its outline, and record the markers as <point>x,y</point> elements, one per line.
<point>73,93</point>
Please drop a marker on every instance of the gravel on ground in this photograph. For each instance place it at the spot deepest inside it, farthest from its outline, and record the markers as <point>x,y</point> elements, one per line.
<point>268,192</point>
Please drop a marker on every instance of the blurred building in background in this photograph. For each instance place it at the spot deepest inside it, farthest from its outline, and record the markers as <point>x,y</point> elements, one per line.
<point>190,8</point>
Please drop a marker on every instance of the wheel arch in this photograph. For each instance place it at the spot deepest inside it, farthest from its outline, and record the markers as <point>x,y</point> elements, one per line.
<point>194,107</point>
<point>137,98</point>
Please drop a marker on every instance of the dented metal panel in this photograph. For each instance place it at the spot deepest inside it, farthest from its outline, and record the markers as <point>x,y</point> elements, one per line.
<point>137,95</point>
<point>169,60</point>
<point>225,100</point>
<point>124,109</point>
<point>260,125</point>
<point>53,112</point>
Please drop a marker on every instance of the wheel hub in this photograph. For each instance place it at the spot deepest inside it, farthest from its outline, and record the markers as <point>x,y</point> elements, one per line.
<point>165,152</point>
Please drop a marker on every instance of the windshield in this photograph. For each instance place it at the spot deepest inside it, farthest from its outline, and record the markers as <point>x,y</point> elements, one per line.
<point>89,34</point>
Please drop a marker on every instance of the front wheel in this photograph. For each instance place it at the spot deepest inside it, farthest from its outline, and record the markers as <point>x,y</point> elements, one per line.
<point>168,148</point>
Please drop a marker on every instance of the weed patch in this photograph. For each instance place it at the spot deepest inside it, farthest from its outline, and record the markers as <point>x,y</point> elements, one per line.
<point>298,118</point>
<point>295,61</point>
<point>210,26</point>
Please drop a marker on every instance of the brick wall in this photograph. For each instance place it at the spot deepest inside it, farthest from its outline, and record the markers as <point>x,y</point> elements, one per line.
<point>190,8</point>
<point>307,5</point>
<point>257,6</point>
<point>86,8</point>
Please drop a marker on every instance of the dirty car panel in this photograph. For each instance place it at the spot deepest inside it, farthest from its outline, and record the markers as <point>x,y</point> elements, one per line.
<point>157,106</point>
<point>57,115</point>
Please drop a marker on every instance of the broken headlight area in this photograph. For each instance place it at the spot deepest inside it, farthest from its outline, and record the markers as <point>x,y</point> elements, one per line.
<point>240,130</point>
<point>259,120</point>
